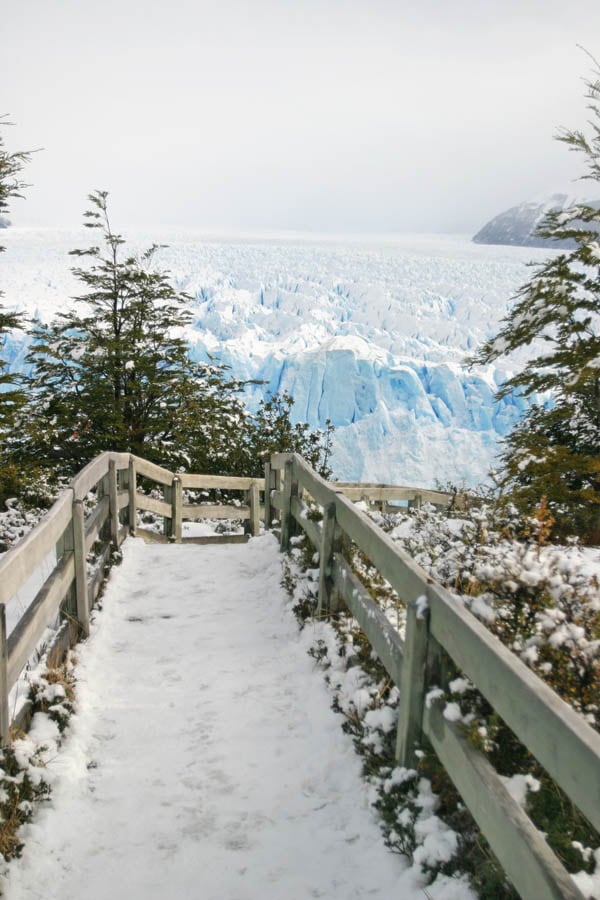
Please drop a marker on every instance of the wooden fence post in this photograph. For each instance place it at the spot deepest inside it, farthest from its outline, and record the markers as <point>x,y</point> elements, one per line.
<point>81,588</point>
<point>168,521</point>
<point>132,484</point>
<point>113,496</point>
<point>4,714</point>
<point>254,509</point>
<point>326,552</point>
<point>267,495</point>
<point>276,480</point>
<point>413,684</point>
<point>416,502</point>
<point>177,509</point>
<point>290,489</point>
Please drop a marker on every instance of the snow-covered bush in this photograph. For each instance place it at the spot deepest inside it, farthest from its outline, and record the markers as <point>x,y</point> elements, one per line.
<point>542,601</point>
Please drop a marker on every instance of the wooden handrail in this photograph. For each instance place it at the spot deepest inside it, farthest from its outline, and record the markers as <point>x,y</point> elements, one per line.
<point>69,535</point>
<point>557,735</point>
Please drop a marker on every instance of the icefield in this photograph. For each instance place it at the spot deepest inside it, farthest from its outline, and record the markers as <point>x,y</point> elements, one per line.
<point>371,333</point>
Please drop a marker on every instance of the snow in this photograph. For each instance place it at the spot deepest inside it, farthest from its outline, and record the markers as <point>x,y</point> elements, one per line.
<point>518,786</point>
<point>204,758</point>
<point>371,334</point>
<point>452,712</point>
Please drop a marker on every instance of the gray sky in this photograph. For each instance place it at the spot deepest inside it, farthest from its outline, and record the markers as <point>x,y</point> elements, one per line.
<point>370,116</point>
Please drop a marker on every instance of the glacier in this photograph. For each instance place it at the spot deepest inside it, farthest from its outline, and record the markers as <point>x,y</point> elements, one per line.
<point>369,332</point>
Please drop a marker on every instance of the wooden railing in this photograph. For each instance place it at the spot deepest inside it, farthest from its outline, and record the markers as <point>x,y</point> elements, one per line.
<point>175,511</point>
<point>74,526</point>
<point>437,624</point>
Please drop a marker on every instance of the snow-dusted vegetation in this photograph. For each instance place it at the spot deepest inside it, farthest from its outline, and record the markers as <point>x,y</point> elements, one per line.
<point>543,602</point>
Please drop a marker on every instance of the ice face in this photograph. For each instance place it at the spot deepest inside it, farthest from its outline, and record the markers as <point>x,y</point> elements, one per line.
<point>371,335</point>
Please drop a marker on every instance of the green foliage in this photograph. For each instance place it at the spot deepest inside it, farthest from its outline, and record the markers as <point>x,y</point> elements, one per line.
<point>12,396</point>
<point>270,430</point>
<point>554,450</point>
<point>541,603</point>
<point>547,456</point>
<point>115,373</point>
<point>11,165</point>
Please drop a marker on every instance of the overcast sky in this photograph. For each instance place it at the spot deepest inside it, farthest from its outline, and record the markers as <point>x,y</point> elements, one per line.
<point>319,115</point>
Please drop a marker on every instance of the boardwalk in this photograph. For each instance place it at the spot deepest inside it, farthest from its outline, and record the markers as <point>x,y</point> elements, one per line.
<point>204,761</point>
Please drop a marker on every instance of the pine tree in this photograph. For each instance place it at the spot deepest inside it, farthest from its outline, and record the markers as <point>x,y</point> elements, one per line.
<point>115,372</point>
<point>270,430</point>
<point>555,449</point>
<point>12,396</point>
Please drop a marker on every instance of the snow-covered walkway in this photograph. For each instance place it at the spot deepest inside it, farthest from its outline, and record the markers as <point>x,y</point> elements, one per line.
<point>204,760</point>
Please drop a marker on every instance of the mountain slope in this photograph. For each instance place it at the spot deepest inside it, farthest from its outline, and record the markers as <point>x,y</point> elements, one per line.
<point>517,225</point>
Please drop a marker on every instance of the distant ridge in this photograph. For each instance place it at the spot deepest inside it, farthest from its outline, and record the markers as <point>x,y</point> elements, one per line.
<point>517,225</point>
<point>4,223</point>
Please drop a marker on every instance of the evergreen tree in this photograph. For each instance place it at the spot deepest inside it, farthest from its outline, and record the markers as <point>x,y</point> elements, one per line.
<point>115,373</point>
<point>271,430</point>
<point>11,393</point>
<point>555,451</point>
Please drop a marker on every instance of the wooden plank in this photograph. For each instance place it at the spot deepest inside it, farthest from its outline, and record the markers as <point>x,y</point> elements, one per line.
<point>386,492</point>
<point>31,626</point>
<point>177,505</point>
<point>123,499</point>
<point>4,683</point>
<point>113,493</point>
<point>58,647</point>
<point>278,460</point>
<point>210,511</point>
<point>123,533</point>
<point>98,577</point>
<point>218,539</point>
<point>95,470</point>
<point>254,513</point>
<point>152,471</point>
<point>160,507</point>
<point>267,514</point>
<point>312,529</point>
<point>61,643</point>
<point>151,537</point>
<point>95,522</point>
<point>89,476</point>
<point>168,521</point>
<point>407,578</point>
<point>132,487</point>
<point>81,592</point>
<point>277,500</point>
<point>17,564</point>
<point>413,685</point>
<point>563,742</point>
<point>22,720</point>
<point>523,853</point>
<point>381,634</point>
<point>319,489</point>
<point>223,482</point>
<point>326,551</point>
<point>290,490</point>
